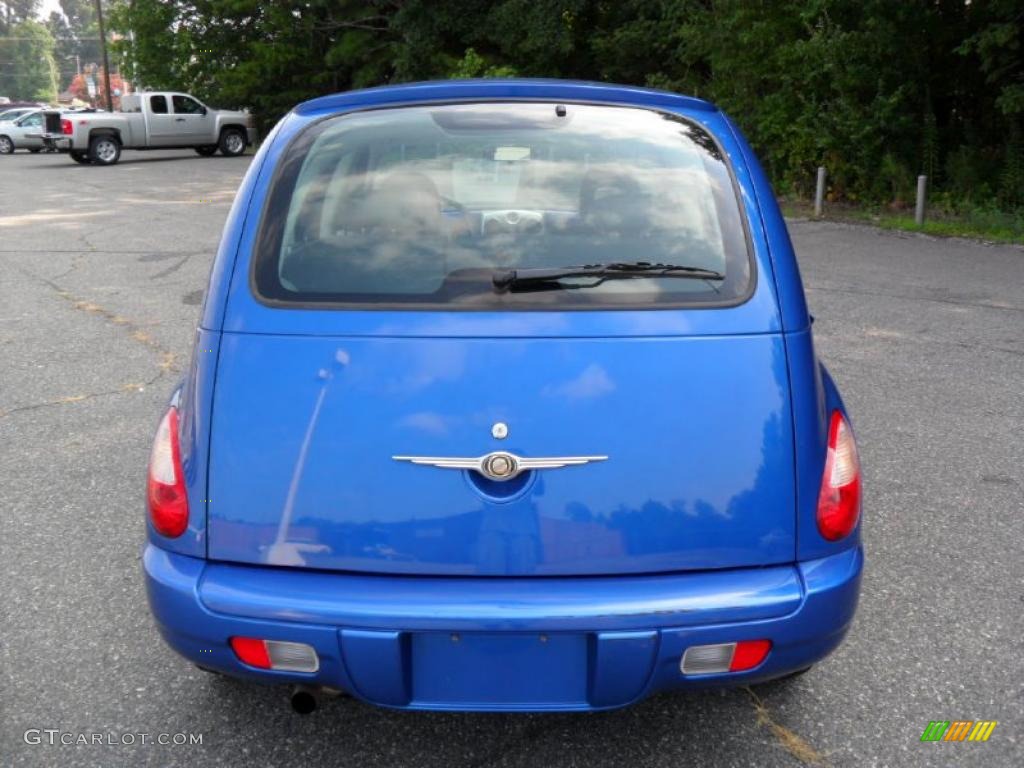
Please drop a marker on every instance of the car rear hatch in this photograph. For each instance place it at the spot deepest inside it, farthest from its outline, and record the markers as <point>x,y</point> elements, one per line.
<point>335,424</point>
<point>696,431</point>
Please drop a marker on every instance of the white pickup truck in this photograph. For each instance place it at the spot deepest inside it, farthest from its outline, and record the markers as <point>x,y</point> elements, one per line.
<point>149,120</point>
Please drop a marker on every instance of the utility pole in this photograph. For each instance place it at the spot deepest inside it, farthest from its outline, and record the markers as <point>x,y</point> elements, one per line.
<point>106,61</point>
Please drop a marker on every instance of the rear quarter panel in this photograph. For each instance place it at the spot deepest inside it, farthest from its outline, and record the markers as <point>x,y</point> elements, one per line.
<point>813,392</point>
<point>194,400</point>
<point>88,124</point>
<point>194,396</point>
<point>814,397</point>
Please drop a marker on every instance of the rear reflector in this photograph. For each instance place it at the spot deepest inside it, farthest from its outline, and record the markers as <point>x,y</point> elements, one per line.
<point>724,657</point>
<point>276,654</point>
<point>252,651</point>
<point>749,654</point>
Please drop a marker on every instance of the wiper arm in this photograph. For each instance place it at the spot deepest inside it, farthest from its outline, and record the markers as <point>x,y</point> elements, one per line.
<point>510,279</point>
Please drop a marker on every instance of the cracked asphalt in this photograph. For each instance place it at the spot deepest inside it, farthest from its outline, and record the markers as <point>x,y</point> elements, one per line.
<point>101,274</point>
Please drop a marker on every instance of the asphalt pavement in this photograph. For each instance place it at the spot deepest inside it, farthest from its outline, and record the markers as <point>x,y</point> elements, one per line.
<point>102,272</point>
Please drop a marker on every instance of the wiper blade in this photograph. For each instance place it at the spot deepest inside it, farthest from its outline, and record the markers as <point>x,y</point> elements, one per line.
<point>510,279</point>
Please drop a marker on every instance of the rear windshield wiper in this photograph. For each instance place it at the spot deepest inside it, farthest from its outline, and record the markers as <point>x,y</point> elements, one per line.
<point>510,279</point>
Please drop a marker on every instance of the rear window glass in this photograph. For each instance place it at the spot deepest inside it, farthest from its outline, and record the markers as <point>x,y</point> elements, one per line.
<point>466,206</point>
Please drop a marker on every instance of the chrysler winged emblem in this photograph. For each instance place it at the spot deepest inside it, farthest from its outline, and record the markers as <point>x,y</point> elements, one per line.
<point>500,465</point>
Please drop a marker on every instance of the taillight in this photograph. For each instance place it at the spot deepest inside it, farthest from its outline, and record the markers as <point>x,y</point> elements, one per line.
<point>839,499</point>
<point>165,486</point>
<point>275,654</point>
<point>66,127</point>
<point>724,657</point>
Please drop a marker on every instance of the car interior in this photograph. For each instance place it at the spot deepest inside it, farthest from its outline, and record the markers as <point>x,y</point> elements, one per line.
<point>436,215</point>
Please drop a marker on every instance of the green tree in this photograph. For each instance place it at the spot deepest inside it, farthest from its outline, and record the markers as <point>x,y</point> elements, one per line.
<point>149,48</point>
<point>14,11</point>
<point>473,64</point>
<point>29,70</point>
<point>77,33</point>
<point>266,56</point>
<point>998,46</point>
<point>876,90</point>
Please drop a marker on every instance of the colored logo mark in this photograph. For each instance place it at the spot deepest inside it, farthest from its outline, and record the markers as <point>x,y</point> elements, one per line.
<point>958,730</point>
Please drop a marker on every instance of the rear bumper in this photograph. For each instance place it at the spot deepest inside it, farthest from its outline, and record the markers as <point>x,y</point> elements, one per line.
<point>503,644</point>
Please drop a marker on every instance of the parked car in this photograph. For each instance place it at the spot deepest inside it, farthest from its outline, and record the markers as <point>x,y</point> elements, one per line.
<point>26,132</point>
<point>149,121</point>
<point>10,115</point>
<point>504,397</point>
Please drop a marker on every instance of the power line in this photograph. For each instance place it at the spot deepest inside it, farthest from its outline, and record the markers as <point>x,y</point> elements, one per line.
<point>36,39</point>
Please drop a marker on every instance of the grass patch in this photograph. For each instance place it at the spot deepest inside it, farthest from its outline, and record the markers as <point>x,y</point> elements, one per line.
<point>792,742</point>
<point>981,224</point>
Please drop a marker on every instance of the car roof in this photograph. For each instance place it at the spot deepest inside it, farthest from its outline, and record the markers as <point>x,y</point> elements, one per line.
<point>498,89</point>
<point>19,110</point>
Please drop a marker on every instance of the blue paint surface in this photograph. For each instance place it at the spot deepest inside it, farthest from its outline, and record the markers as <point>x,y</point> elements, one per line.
<point>573,589</point>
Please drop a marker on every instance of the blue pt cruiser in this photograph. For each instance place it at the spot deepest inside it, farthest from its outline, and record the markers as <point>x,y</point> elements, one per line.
<point>504,397</point>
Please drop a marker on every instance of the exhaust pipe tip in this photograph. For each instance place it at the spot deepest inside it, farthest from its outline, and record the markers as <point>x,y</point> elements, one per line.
<point>304,699</point>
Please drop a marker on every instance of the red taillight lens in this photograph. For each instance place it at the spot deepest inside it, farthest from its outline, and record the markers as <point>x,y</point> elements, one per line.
<point>66,127</point>
<point>165,485</point>
<point>748,654</point>
<point>839,500</point>
<point>251,651</point>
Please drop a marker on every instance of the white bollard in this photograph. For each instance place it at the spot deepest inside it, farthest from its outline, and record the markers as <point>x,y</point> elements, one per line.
<point>922,185</point>
<point>819,193</point>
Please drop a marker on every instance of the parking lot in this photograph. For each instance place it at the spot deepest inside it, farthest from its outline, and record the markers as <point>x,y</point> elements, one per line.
<point>102,272</point>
